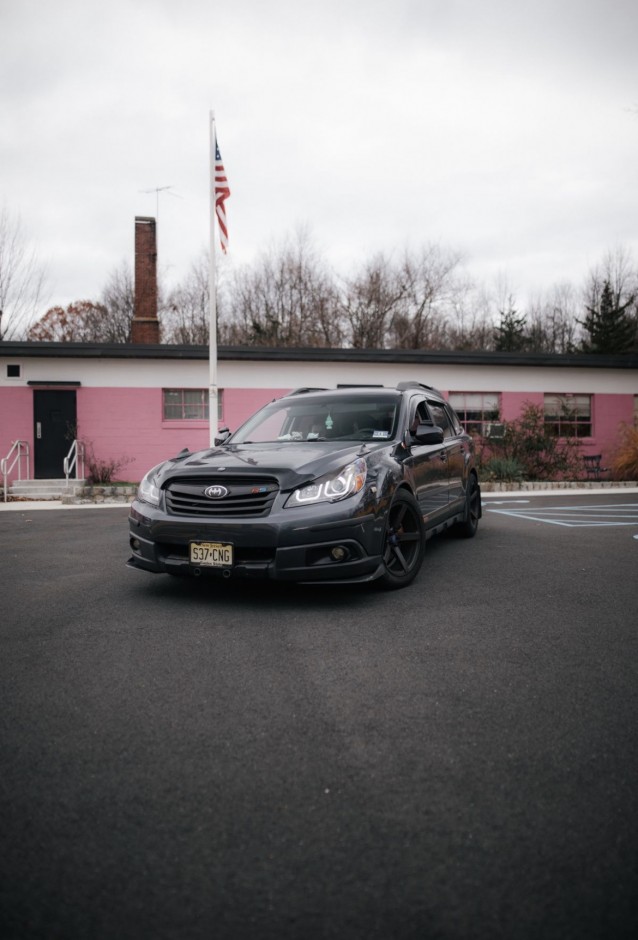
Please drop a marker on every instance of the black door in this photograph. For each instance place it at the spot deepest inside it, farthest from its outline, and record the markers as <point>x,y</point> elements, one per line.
<point>428,464</point>
<point>54,415</point>
<point>455,448</point>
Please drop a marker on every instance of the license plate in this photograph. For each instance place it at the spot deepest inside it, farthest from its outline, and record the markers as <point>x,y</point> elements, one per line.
<point>211,554</point>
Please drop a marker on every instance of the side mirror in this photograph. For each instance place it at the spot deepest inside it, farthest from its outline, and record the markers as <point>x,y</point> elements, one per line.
<point>222,436</point>
<point>428,434</point>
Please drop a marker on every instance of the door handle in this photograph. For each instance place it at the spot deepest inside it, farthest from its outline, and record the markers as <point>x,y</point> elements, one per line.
<point>38,430</point>
<point>443,456</point>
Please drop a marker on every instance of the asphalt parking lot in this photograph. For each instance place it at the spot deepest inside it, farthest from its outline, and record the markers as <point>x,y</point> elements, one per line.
<point>204,759</point>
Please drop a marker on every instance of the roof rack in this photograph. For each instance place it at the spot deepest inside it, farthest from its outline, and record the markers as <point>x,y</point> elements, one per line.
<point>402,386</point>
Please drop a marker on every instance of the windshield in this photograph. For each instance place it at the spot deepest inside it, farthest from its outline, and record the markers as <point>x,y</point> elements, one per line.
<point>364,418</point>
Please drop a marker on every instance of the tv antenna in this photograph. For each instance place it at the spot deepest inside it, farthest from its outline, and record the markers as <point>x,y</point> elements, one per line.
<point>157,190</point>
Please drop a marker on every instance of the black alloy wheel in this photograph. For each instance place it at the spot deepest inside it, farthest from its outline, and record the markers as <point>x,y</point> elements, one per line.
<point>404,545</point>
<point>468,528</point>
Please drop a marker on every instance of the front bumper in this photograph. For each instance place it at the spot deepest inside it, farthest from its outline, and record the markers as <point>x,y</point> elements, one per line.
<point>288,545</point>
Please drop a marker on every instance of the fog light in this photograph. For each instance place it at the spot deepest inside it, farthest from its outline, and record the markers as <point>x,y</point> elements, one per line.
<point>339,553</point>
<point>135,545</point>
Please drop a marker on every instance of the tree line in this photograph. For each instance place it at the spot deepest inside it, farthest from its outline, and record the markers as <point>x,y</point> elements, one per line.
<point>418,299</point>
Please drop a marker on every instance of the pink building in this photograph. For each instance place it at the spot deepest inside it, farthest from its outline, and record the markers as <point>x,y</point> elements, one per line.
<point>138,404</point>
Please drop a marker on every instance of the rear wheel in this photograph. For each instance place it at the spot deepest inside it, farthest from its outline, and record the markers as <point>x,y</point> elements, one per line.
<point>404,542</point>
<point>468,528</point>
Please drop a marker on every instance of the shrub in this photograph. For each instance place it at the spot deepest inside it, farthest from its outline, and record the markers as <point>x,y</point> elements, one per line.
<point>103,471</point>
<point>624,462</point>
<point>529,442</point>
<point>503,469</point>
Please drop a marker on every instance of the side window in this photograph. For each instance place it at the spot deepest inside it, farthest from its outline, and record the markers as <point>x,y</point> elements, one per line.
<point>454,421</point>
<point>441,418</point>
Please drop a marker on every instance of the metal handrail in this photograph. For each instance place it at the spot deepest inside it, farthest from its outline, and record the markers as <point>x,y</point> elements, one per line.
<point>73,460</point>
<point>21,449</point>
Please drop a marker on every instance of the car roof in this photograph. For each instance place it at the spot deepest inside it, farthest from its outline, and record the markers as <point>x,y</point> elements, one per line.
<point>365,390</point>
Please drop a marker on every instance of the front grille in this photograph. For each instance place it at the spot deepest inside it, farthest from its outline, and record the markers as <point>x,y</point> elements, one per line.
<point>243,497</point>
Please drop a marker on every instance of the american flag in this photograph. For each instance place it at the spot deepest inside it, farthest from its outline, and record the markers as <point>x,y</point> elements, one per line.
<point>222,192</point>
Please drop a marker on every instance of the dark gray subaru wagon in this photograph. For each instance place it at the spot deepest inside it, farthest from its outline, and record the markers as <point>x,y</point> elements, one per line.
<point>339,485</point>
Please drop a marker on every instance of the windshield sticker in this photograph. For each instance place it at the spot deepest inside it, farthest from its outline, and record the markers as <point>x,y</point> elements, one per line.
<point>381,435</point>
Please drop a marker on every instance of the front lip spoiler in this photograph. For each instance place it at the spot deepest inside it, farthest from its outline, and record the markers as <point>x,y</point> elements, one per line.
<point>357,571</point>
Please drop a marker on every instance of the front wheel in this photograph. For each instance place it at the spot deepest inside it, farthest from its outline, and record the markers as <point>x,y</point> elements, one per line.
<point>404,542</point>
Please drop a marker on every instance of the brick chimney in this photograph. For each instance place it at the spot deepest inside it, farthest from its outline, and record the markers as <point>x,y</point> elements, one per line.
<point>145,325</point>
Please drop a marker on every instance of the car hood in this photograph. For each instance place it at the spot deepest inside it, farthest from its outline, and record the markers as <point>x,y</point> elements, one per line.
<point>291,464</point>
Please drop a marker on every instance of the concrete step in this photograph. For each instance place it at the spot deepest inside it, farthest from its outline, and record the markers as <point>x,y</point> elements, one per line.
<point>44,489</point>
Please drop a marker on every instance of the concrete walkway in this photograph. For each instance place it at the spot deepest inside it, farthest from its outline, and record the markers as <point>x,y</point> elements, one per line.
<point>27,505</point>
<point>630,489</point>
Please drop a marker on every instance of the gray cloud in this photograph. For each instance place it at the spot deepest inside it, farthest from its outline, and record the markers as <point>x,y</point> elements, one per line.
<point>502,129</point>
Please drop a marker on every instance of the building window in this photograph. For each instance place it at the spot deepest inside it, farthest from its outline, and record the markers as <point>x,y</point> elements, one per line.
<point>476,409</point>
<point>189,404</point>
<point>13,371</point>
<point>568,415</point>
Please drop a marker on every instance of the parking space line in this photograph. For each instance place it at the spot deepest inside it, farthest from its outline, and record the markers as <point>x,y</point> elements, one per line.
<point>620,514</point>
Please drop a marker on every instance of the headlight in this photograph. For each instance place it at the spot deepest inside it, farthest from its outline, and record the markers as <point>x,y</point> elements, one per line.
<point>148,491</point>
<point>330,489</point>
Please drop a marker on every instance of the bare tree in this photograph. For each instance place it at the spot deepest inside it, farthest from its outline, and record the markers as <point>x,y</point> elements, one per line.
<point>619,271</point>
<point>552,325</point>
<point>368,303</point>
<point>287,299</point>
<point>80,322</point>
<point>118,297</point>
<point>470,323</point>
<point>22,279</point>
<point>186,313</point>
<point>407,304</point>
<point>430,285</point>
<point>495,321</point>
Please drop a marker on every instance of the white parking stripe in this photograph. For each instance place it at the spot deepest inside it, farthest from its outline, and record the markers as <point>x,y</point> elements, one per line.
<point>619,514</point>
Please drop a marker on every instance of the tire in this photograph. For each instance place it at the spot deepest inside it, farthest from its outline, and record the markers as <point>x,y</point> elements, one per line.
<point>403,542</point>
<point>469,527</point>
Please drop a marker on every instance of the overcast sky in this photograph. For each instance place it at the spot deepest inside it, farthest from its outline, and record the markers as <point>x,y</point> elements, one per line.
<point>505,130</point>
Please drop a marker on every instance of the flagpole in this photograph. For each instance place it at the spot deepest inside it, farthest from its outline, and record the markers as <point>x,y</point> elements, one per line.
<point>212,328</point>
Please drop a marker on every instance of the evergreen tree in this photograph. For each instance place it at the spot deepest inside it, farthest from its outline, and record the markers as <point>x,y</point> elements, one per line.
<point>611,328</point>
<point>509,335</point>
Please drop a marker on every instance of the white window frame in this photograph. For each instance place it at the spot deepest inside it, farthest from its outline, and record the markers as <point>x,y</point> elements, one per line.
<point>572,413</point>
<point>200,399</point>
<point>485,404</point>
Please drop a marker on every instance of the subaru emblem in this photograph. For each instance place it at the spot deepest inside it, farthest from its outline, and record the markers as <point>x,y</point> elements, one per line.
<point>215,492</point>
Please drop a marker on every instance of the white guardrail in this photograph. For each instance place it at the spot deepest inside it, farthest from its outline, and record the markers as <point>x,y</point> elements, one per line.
<point>19,451</point>
<point>74,460</point>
